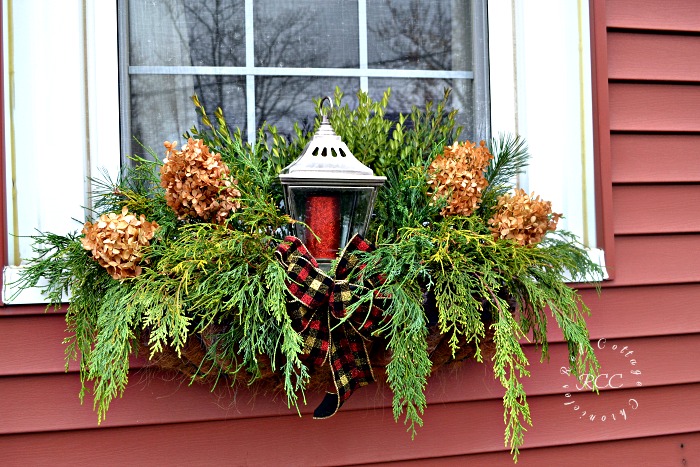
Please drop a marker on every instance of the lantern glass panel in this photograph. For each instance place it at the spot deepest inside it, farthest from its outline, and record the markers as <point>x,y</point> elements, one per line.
<point>333,214</point>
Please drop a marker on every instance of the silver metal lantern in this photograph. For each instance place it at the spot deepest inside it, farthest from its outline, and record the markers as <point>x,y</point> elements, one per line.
<point>330,192</point>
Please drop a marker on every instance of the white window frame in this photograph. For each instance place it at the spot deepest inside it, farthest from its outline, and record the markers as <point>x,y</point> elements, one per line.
<point>540,69</point>
<point>63,127</point>
<point>91,61</point>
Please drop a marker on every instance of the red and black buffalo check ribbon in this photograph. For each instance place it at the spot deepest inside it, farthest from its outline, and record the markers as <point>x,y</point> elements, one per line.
<point>319,309</point>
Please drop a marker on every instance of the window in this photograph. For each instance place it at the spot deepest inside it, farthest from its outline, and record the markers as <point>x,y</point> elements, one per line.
<point>72,99</point>
<point>265,60</point>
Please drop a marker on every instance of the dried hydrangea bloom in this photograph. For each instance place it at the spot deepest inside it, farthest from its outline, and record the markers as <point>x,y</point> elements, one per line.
<point>458,175</point>
<point>116,242</point>
<point>198,183</point>
<point>523,218</point>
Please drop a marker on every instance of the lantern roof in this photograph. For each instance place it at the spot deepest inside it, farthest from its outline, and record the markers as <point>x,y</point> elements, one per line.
<point>327,157</point>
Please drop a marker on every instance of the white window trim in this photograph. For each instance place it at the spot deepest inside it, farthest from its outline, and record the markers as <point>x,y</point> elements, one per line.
<point>93,148</point>
<point>542,91</point>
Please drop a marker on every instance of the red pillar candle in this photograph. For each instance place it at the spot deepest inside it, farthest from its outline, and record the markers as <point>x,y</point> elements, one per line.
<point>323,218</point>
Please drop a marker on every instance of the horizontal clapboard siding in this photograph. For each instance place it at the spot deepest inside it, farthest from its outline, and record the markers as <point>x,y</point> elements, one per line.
<point>653,451</point>
<point>658,57</point>
<point>657,259</point>
<point>451,430</point>
<point>653,57</point>
<point>645,158</point>
<point>617,312</point>
<point>652,209</point>
<point>663,15</point>
<point>645,107</point>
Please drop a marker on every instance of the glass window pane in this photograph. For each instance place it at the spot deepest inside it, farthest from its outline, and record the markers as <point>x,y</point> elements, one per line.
<point>406,93</point>
<point>306,33</point>
<point>161,108</point>
<point>419,35</point>
<point>401,34</point>
<point>281,101</point>
<point>187,32</point>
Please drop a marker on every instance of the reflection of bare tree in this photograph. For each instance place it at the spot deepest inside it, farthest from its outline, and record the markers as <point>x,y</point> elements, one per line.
<point>410,44</point>
<point>279,42</point>
<point>216,32</point>
<point>426,36</point>
<point>405,34</point>
<point>217,38</point>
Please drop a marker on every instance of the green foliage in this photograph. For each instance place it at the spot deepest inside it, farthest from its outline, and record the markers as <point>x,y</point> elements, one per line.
<point>510,160</point>
<point>222,282</point>
<point>117,336</point>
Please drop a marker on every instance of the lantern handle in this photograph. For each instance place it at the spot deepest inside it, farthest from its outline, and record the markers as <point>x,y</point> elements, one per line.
<point>324,116</point>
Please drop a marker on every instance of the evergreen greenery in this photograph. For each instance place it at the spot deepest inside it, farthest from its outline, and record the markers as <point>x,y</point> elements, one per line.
<point>223,282</point>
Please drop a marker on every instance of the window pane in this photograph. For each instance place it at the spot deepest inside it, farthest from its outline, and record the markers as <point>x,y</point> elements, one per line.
<point>419,35</point>
<point>406,93</point>
<point>161,108</point>
<point>187,32</point>
<point>409,36</point>
<point>306,33</point>
<point>281,101</point>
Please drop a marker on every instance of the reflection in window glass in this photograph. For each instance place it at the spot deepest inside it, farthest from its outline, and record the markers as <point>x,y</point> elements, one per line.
<point>281,101</point>
<point>162,109</point>
<point>216,32</point>
<point>419,35</point>
<point>268,66</point>
<point>306,33</point>
<point>406,93</point>
<point>186,33</point>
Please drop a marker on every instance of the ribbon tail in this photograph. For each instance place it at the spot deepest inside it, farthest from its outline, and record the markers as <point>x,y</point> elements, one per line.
<point>351,368</point>
<point>328,406</point>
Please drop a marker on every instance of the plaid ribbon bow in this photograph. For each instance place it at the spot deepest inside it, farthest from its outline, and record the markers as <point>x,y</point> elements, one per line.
<point>318,307</point>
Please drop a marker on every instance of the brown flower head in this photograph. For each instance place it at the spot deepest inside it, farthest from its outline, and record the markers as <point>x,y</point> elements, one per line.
<point>523,218</point>
<point>458,175</point>
<point>115,241</point>
<point>198,183</point>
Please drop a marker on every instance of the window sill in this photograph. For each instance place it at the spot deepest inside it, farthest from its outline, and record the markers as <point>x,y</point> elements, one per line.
<point>13,295</point>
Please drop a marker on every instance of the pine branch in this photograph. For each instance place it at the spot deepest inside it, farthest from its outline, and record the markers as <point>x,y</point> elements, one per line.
<point>510,159</point>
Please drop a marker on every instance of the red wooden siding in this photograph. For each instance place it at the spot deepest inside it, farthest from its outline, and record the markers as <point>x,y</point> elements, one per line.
<point>644,158</point>
<point>619,312</point>
<point>654,15</point>
<point>289,440</point>
<point>653,57</point>
<point>641,209</point>
<point>647,105</point>
<point>48,402</point>
<point>653,451</point>
<point>654,107</point>
<point>654,114</point>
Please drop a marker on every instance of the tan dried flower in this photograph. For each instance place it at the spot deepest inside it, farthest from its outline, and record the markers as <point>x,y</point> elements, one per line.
<point>523,218</point>
<point>458,174</point>
<point>115,241</point>
<point>198,183</point>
